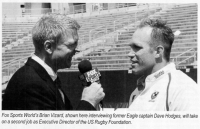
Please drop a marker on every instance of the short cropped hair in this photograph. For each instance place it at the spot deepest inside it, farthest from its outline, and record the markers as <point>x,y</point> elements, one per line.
<point>51,27</point>
<point>161,34</point>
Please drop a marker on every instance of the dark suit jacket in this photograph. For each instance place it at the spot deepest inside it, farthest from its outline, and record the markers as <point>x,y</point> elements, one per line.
<point>31,88</point>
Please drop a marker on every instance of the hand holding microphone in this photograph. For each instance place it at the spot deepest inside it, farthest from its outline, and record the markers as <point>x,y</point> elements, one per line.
<point>93,92</point>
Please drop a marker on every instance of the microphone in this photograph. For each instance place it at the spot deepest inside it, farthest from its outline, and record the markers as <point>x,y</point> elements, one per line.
<point>88,75</point>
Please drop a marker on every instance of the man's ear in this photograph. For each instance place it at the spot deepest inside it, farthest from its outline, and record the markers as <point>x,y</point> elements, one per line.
<point>159,51</point>
<point>48,46</point>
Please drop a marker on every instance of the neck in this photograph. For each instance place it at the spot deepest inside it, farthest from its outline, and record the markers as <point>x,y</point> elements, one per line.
<point>159,66</point>
<point>45,59</point>
<point>156,67</point>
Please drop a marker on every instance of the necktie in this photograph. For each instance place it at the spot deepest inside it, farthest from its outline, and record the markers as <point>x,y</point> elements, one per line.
<point>57,82</point>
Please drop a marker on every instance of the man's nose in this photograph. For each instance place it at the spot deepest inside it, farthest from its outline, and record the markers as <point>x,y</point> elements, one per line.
<point>76,51</point>
<point>131,54</point>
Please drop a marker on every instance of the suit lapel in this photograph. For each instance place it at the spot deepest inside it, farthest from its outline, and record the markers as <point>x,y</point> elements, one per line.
<point>42,73</point>
<point>45,76</point>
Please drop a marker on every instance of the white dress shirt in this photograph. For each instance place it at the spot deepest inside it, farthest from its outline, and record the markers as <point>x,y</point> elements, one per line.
<point>49,70</point>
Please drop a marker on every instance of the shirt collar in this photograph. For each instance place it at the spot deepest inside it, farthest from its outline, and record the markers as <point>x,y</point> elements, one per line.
<point>141,83</point>
<point>154,76</point>
<point>49,70</point>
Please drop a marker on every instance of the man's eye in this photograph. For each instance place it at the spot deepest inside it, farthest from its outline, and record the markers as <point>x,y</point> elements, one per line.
<point>74,45</point>
<point>137,47</point>
<point>71,46</point>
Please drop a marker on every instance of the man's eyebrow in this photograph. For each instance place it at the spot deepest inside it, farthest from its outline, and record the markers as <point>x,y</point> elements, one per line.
<point>71,42</point>
<point>130,43</point>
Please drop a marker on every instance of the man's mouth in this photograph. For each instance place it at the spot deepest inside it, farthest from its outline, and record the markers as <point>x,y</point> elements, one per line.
<point>134,63</point>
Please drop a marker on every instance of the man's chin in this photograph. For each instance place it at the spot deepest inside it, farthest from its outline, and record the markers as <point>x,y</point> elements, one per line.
<point>136,72</point>
<point>65,66</point>
<point>68,65</point>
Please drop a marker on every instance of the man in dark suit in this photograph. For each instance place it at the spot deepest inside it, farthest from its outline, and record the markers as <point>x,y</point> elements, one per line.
<point>36,86</point>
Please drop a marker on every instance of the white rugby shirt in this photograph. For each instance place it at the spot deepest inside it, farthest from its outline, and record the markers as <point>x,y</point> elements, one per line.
<point>166,90</point>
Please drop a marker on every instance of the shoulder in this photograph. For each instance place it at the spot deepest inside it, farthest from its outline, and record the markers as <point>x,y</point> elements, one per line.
<point>182,81</point>
<point>183,92</point>
<point>24,77</point>
<point>182,85</point>
<point>25,71</point>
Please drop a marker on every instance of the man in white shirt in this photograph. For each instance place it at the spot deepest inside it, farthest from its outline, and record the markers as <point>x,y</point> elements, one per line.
<point>35,86</point>
<point>161,87</point>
